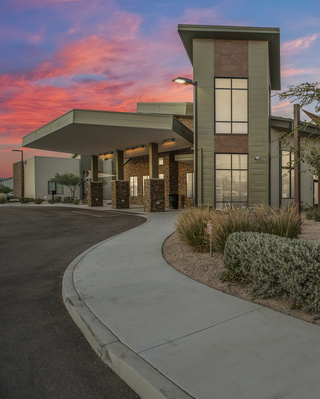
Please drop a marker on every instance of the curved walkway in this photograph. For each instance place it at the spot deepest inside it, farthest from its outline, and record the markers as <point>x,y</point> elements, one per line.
<point>171,337</point>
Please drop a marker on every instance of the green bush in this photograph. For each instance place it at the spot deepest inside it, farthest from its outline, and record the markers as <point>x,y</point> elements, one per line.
<point>2,198</point>
<point>76,201</point>
<point>191,227</point>
<point>274,265</point>
<point>284,221</point>
<point>26,199</point>
<point>38,200</point>
<point>313,213</point>
<point>5,190</point>
<point>227,222</point>
<point>84,201</point>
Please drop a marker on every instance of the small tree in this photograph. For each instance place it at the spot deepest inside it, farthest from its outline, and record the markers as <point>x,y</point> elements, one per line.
<point>69,180</point>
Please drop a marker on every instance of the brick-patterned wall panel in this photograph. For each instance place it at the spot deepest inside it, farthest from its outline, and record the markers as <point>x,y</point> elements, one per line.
<point>154,195</point>
<point>120,193</point>
<point>183,169</point>
<point>138,166</point>
<point>231,143</point>
<point>187,121</point>
<point>17,176</point>
<point>231,58</point>
<point>95,193</point>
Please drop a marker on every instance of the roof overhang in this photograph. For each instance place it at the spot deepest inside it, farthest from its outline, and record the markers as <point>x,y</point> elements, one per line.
<point>285,125</point>
<point>271,35</point>
<point>88,132</point>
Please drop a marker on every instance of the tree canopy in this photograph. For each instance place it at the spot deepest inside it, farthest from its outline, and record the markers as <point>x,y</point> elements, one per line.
<point>304,94</point>
<point>69,180</point>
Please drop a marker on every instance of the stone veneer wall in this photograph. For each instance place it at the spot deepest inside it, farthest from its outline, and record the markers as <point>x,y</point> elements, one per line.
<point>154,195</point>
<point>17,179</point>
<point>139,166</point>
<point>187,121</point>
<point>120,192</point>
<point>95,193</point>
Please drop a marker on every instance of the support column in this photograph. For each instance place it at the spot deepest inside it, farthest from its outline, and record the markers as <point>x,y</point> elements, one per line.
<point>154,195</point>
<point>119,165</point>
<point>153,161</point>
<point>94,168</point>
<point>95,193</point>
<point>120,192</point>
<point>297,174</point>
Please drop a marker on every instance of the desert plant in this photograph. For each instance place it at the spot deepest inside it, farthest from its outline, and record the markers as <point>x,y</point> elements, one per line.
<point>284,221</point>
<point>276,266</point>
<point>38,200</point>
<point>2,198</point>
<point>227,222</point>
<point>76,201</point>
<point>191,227</point>
<point>313,213</point>
<point>5,190</point>
<point>84,201</point>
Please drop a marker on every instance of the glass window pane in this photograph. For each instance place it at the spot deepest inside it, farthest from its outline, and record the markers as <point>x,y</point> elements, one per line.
<point>223,161</point>
<point>243,184</point>
<point>223,83</point>
<point>51,186</point>
<point>286,186</point>
<point>285,159</point>
<point>292,183</point>
<point>143,179</point>
<point>223,185</point>
<point>59,189</point>
<point>160,161</point>
<point>161,175</point>
<point>189,178</point>
<point>239,161</point>
<point>223,105</point>
<point>239,105</point>
<point>236,185</point>
<point>223,127</point>
<point>239,83</point>
<point>240,128</point>
<point>315,193</point>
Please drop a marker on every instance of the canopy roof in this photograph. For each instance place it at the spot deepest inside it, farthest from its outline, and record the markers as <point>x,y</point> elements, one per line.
<point>88,132</point>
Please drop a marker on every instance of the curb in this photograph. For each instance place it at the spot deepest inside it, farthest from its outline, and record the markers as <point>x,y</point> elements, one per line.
<point>140,375</point>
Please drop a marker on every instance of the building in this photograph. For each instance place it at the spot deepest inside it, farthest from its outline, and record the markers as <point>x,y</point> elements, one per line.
<point>238,159</point>
<point>7,182</point>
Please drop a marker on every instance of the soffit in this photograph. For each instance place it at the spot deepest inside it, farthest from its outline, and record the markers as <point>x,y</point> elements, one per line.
<point>271,35</point>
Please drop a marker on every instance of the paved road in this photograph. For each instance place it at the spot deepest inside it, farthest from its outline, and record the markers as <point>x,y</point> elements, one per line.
<point>42,352</point>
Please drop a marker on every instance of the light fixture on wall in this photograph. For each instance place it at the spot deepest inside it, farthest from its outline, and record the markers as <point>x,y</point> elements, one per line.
<point>257,158</point>
<point>135,147</point>
<point>108,153</point>
<point>186,81</point>
<point>168,141</point>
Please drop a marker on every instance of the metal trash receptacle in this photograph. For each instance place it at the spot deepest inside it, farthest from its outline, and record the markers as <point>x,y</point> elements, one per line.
<point>173,201</point>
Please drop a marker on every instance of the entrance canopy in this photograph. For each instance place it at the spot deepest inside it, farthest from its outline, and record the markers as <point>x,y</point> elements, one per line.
<point>97,133</point>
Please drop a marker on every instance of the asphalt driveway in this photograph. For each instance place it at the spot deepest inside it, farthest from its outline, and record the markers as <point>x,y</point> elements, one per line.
<point>42,352</point>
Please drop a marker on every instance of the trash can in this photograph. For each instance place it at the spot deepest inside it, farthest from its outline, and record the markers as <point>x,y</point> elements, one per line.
<point>67,200</point>
<point>173,201</point>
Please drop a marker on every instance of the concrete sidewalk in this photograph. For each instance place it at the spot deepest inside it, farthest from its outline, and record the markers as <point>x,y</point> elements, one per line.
<point>169,336</point>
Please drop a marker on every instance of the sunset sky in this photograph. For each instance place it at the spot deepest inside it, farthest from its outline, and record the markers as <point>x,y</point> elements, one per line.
<point>56,55</point>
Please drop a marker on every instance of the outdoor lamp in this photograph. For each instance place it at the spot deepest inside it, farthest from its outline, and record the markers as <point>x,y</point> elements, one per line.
<point>186,81</point>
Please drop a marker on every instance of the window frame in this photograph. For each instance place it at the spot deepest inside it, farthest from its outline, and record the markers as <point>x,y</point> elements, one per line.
<point>231,119</point>
<point>231,170</point>
<point>133,186</point>
<point>290,171</point>
<point>58,188</point>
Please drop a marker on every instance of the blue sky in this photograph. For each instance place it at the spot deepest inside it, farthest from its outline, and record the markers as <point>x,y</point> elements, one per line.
<point>101,54</point>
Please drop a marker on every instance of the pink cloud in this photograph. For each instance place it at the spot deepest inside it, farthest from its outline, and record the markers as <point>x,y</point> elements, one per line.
<point>294,46</point>
<point>298,71</point>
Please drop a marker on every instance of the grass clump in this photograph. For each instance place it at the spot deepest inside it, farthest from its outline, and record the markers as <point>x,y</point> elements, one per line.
<point>2,198</point>
<point>191,227</point>
<point>313,213</point>
<point>283,222</point>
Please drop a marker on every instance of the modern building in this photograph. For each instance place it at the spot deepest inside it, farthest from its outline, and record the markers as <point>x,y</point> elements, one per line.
<point>7,182</point>
<point>224,147</point>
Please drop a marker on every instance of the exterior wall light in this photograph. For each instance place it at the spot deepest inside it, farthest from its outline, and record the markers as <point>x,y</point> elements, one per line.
<point>168,141</point>
<point>134,147</point>
<point>108,153</point>
<point>186,81</point>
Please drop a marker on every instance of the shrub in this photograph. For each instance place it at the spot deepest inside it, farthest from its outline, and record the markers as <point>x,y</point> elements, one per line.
<point>2,198</point>
<point>274,265</point>
<point>312,212</point>
<point>76,201</point>
<point>191,227</point>
<point>5,190</point>
<point>227,222</point>
<point>84,201</point>
<point>284,221</point>
<point>38,200</point>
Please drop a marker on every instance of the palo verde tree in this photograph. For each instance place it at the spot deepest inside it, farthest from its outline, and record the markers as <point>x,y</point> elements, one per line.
<point>309,147</point>
<point>69,180</point>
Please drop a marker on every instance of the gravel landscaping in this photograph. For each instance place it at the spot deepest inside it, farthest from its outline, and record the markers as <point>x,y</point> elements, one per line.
<point>206,270</point>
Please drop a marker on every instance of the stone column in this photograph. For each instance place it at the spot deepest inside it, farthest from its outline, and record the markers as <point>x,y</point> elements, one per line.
<point>95,193</point>
<point>154,195</point>
<point>120,192</point>
<point>94,168</point>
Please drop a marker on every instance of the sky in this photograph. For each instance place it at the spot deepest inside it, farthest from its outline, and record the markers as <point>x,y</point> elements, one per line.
<point>57,55</point>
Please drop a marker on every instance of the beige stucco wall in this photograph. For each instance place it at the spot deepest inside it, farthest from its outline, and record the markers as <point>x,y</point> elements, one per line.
<point>29,180</point>
<point>46,167</point>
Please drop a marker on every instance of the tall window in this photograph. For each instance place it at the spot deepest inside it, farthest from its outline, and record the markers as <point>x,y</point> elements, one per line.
<point>231,186</point>
<point>287,176</point>
<point>161,175</point>
<point>58,188</point>
<point>189,177</point>
<point>133,186</point>
<point>160,161</point>
<point>143,179</point>
<point>231,106</point>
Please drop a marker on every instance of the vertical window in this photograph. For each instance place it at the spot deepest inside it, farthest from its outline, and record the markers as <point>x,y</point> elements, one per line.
<point>143,179</point>
<point>160,161</point>
<point>58,188</point>
<point>315,190</point>
<point>231,183</point>
<point>231,106</point>
<point>287,175</point>
<point>161,175</point>
<point>133,186</point>
<point>189,178</point>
